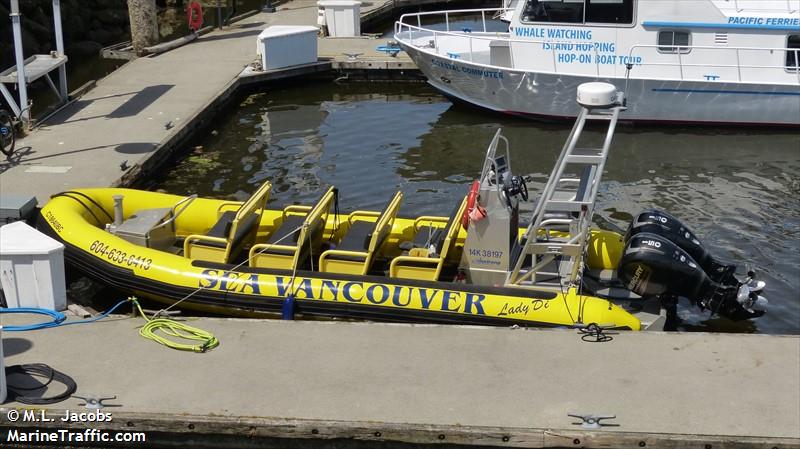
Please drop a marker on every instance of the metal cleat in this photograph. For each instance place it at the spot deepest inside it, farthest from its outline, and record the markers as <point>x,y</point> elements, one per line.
<point>93,402</point>
<point>592,421</point>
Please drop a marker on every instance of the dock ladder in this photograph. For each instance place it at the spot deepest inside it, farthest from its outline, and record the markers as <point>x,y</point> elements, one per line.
<point>551,251</point>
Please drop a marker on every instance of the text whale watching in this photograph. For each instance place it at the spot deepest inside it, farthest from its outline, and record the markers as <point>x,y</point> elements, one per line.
<point>477,266</point>
<point>696,61</point>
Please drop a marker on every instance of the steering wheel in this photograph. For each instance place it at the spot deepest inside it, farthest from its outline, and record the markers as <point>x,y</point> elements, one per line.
<point>515,185</point>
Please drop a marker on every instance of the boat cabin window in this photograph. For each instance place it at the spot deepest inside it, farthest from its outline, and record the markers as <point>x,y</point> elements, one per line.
<point>793,53</point>
<point>673,42</point>
<point>578,11</point>
<point>609,11</point>
<point>562,11</point>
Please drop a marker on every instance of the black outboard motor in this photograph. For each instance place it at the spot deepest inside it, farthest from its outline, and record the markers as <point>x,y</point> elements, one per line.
<point>654,221</point>
<point>652,265</point>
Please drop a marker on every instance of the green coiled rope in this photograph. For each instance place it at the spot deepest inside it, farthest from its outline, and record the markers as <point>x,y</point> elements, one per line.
<point>175,329</point>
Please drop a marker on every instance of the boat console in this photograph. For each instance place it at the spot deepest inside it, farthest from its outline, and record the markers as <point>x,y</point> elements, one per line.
<point>493,217</point>
<point>151,228</point>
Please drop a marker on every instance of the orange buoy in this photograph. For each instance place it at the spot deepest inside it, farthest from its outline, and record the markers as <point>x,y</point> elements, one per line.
<point>473,211</point>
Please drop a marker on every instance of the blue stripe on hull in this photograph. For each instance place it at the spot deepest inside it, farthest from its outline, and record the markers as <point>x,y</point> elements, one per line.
<point>735,92</point>
<point>741,26</point>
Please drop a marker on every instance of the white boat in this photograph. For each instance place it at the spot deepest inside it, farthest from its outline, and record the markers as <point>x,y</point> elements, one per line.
<point>678,61</point>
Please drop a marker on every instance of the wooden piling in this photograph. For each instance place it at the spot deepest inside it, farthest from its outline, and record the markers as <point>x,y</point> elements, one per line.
<point>144,27</point>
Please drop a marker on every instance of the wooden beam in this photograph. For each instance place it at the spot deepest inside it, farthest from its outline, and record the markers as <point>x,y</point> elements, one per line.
<point>233,431</point>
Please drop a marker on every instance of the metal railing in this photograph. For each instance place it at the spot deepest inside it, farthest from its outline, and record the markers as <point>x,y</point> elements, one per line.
<point>789,7</point>
<point>401,26</point>
<point>682,66</point>
<point>447,14</point>
<point>484,36</point>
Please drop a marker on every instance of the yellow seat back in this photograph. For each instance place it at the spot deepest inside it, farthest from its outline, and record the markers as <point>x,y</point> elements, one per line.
<point>425,267</point>
<point>385,222</point>
<point>241,233</point>
<point>288,256</point>
<point>359,262</point>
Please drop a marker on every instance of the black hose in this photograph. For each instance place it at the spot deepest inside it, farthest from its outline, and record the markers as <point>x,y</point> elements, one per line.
<point>88,209</point>
<point>88,198</point>
<point>40,370</point>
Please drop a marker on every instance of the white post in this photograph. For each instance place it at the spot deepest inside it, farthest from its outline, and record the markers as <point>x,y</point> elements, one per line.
<point>738,65</point>
<point>62,71</point>
<point>16,18</point>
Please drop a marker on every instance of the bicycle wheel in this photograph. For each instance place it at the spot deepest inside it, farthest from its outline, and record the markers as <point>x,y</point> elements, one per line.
<point>7,136</point>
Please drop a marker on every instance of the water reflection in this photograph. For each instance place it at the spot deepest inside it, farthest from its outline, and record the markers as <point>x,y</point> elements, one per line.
<point>737,189</point>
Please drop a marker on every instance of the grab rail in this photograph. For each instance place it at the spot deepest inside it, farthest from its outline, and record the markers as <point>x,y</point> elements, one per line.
<point>175,212</point>
<point>485,36</point>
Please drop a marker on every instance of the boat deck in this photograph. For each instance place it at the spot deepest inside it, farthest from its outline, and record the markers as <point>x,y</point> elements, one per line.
<point>430,384</point>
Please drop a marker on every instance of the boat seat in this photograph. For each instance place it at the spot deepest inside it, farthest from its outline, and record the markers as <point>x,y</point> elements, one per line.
<point>221,227</point>
<point>279,236</point>
<point>437,244</point>
<point>234,229</point>
<point>366,234</point>
<point>300,232</point>
<point>356,239</point>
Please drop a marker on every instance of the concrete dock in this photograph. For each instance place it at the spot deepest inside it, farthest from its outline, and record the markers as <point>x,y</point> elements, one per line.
<point>427,384</point>
<point>137,117</point>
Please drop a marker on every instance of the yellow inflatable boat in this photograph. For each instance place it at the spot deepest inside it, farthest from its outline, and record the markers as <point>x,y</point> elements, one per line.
<point>476,265</point>
<point>243,259</point>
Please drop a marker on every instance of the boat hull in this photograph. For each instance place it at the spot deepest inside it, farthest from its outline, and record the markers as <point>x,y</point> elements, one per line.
<point>245,291</point>
<point>549,95</point>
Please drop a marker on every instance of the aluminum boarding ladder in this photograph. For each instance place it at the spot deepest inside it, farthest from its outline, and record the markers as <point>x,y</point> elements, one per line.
<point>557,236</point>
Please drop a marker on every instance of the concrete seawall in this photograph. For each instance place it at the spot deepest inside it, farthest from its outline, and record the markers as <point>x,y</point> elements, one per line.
<point>336,384</point>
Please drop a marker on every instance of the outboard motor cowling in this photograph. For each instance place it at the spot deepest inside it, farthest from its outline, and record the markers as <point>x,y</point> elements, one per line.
<point>658,222</point>
<point>652,265</point>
